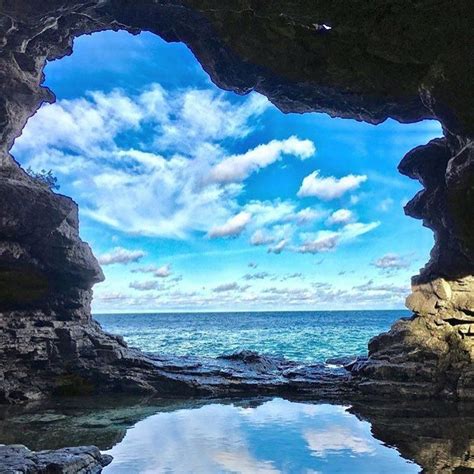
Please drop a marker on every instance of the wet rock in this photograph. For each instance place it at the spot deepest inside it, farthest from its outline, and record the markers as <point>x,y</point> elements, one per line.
<point>79,460</point>
<point>254,360</point>
<point>343,361</point>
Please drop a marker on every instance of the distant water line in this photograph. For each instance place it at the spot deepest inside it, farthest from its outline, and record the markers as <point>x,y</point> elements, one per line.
<point>309,336</point>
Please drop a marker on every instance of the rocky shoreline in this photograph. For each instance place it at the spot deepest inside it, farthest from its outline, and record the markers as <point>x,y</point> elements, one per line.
<point>78,460</point>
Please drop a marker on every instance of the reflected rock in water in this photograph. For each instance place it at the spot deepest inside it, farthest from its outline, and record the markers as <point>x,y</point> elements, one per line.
<point>437,436</point>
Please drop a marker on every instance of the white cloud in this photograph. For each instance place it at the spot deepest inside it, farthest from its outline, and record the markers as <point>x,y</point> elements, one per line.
<point>330,187</point>
<point>337,438</point>
<point>86,126</point>
<point>354,199</point>
<point>385,205</point>
<point>259,237</point>
<point>161,189</point>
<point>355,229</point>
<point>324,241</point>
<point>120,255</point>
<point>146,285</point>
<point>291,276</point>
<point>225,287</point>
<point>163,272</point>
<point>233,227</point>
<point>384,288</point>
<point>238,167</point>
<point>284,213</point>
<point>243,463</point>
<point>308,215</point>
<point>265,213</point>
<point>202,116</point>
<point>279,247</point>
<point>391,262</point>
<point>160,272</point>
<point>256,276</point>
<point>341,216</point>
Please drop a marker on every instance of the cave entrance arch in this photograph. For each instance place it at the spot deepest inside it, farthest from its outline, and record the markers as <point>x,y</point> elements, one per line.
<point>434,348</point>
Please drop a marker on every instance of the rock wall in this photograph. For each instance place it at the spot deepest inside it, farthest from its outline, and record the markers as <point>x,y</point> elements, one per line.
<point>433,353</point>
<point>403,59</point>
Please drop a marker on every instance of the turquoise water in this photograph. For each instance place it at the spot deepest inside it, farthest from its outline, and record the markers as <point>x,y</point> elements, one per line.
<point>298,335</point>
<point>277,436</point>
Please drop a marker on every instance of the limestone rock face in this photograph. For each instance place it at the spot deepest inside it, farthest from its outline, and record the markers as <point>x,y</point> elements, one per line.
<point>44,264</point>
<point>377,60</point>
<point>433,354</point>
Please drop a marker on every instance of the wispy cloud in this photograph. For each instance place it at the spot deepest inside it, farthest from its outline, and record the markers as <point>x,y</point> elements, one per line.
<point>147,285</point>
<point>370,285</point>
<point>120,255</point>
<point>329,188</point>
<point>279,247</point>
<point>160,272</point>
<point>328,240</point>
<point>341,216</point>
<point>226,287</point>
<point>232,228</point>
<point>307,215</point>
<point>256,276</point>
<point>391,262</point>
<point>159,185</point>
<point>259,237</point>
<point>324,241</point>
<point>385,205</point>
<point>238,167</point>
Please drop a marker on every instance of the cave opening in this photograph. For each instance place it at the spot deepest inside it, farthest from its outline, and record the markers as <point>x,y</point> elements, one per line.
<point>197,200</point>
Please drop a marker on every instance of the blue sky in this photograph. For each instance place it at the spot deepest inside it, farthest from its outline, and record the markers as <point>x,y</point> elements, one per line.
<point>198,199</point>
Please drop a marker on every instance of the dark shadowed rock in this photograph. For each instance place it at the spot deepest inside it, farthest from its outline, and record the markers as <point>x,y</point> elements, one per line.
<point>344,361</point>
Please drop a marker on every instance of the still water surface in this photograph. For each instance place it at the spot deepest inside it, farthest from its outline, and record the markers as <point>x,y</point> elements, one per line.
<point>277,436</point>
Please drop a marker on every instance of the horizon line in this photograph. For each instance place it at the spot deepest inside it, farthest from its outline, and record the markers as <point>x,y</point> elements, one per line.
<point>244,311</point>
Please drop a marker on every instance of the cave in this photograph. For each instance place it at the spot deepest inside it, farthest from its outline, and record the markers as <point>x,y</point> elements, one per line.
<point>365,62</point>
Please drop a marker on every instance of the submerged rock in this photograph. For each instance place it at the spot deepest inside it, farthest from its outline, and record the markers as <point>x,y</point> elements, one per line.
<point>79,460</point>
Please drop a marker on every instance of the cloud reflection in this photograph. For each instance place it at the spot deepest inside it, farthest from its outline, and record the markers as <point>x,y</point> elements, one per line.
<point>275,437</point>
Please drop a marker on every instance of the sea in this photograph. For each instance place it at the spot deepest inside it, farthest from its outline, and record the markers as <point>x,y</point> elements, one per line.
<point>306,336</point>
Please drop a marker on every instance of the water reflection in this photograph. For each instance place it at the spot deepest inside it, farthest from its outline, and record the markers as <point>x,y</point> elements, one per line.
<point>276,437</point>
<point>252,436</point>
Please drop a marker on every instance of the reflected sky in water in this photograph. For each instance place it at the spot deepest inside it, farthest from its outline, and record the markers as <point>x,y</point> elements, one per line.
<point>277,436</point>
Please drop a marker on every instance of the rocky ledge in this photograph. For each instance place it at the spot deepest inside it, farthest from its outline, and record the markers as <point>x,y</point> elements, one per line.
<point>80,460</point>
